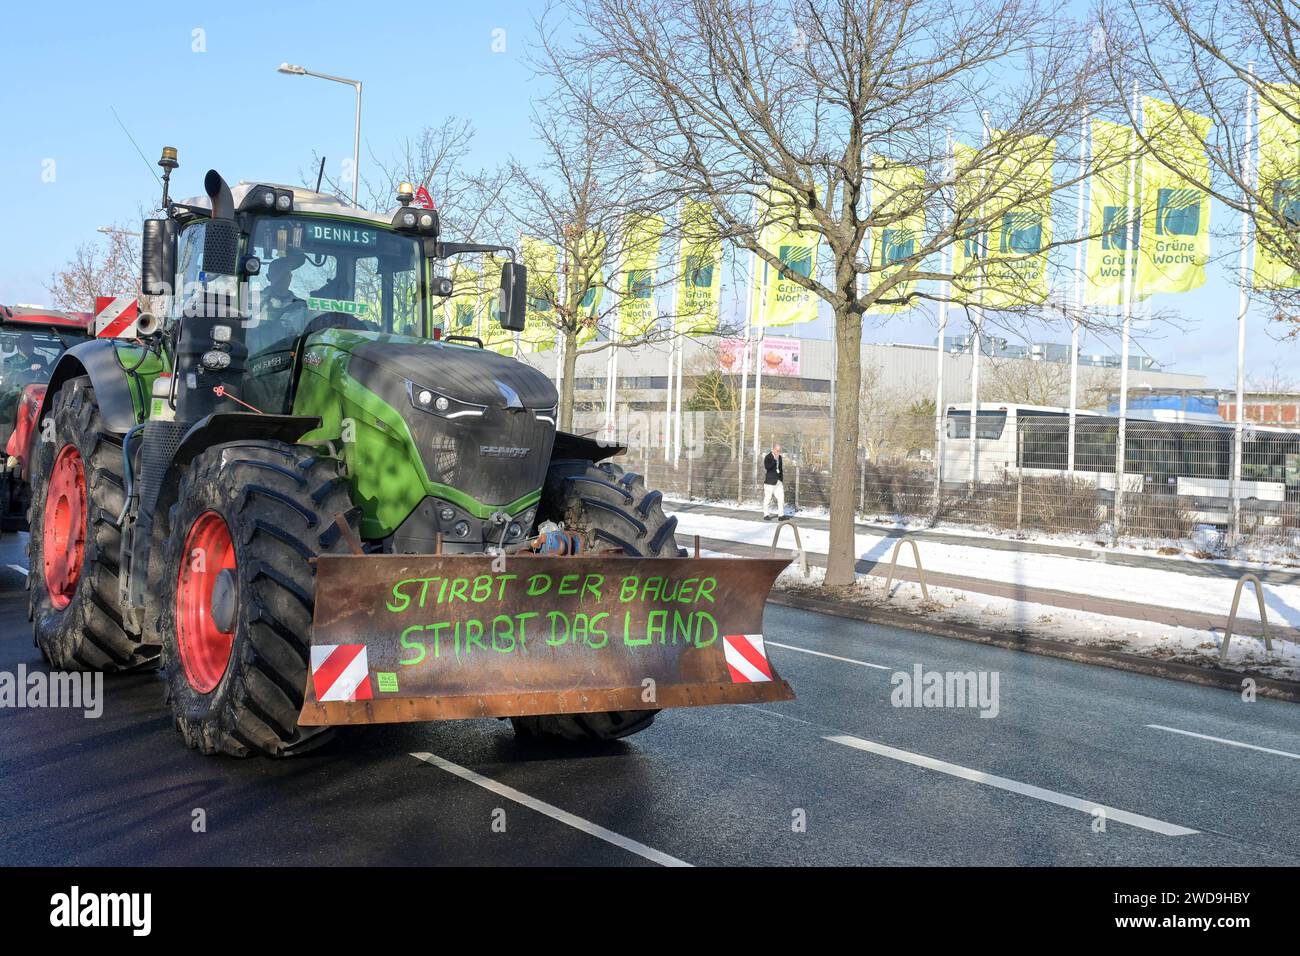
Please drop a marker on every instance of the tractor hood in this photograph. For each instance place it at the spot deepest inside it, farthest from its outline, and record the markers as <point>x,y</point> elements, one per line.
<point>470,376</point>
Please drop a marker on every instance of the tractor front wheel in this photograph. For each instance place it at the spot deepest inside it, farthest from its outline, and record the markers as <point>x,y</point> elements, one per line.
<point>610,508</point>
<point>239,590</point>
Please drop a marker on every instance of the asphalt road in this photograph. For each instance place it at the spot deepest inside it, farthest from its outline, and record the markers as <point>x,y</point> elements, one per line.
<point>838,776</point>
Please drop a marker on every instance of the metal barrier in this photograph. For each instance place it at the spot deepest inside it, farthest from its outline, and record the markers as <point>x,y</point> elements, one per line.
<point>893,566</point>
<point>1232,615</point>
<point>798,543</point>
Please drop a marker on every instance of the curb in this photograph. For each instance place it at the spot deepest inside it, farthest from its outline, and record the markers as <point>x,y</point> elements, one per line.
<point>1269,687</point>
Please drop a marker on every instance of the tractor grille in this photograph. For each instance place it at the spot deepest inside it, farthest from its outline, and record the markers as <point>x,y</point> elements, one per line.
<point>157,449</point>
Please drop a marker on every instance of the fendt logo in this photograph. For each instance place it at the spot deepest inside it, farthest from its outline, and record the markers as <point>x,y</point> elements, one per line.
<point>503,451</point>
<point>1115,227</point>
<point>1022,233</point>
<point>1178,212</point>
<point>796,260</point>
<point>896,245</point>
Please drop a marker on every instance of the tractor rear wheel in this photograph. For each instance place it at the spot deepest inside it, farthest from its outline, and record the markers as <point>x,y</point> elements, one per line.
<point>77,494</point>
<point>609,507</point>
<point>238,596</point>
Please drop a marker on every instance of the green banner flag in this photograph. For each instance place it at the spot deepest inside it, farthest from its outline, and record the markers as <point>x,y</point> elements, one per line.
<point>1277,225</point>
<point>897,197</point>
<point>699,290</point>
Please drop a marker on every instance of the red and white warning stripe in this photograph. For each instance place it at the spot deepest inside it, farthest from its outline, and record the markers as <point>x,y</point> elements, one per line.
<point>116,316</point>
<point>340,672</point>
<point>746,658</point>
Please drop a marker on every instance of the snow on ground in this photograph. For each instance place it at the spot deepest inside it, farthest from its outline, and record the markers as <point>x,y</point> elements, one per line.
<point>1200,548</point>
<point>984,611</point>
<point>1168,589</point>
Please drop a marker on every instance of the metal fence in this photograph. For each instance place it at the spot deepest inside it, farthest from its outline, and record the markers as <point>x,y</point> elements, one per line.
<point>1177,487</point>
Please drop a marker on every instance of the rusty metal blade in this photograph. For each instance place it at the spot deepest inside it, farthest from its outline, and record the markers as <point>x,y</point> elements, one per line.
<point>434,637</point>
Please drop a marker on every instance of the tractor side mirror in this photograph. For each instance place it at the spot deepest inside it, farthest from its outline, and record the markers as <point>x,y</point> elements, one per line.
<point>158,256</point>
<point>221,247</point>
<point>514,296</point>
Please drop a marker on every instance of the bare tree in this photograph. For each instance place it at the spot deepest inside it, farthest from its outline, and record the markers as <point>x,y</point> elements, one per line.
<point>579,203</point>
<point>717,396</point>
<point>1024,382</point>
<point>895,421</point>
<point>819,101</point>
<point>107,266</point>
<point>1209,57</point>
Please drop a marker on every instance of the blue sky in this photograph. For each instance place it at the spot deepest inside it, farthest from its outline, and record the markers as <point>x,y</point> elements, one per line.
<point>67,66</point>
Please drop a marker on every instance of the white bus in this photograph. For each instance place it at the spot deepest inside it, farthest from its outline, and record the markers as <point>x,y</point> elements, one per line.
<point>1183,454</point>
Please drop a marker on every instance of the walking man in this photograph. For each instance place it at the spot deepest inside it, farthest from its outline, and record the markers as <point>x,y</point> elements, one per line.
<point>774,484</point>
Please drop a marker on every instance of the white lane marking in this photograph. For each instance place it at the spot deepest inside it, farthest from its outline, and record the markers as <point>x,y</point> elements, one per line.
<point>846,660</point>
<point>1223,740</point>
<point>1014,786</point>
<point>555,813</point>
<point>17,567</point>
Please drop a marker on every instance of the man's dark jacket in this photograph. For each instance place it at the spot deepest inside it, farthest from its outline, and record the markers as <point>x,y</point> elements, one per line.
<point>774,467</point>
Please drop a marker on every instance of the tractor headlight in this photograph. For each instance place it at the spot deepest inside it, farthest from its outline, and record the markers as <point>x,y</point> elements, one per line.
<point>461,528</point>
<point>215,360</point>
<point>446,514</point>
<point>428,400</point>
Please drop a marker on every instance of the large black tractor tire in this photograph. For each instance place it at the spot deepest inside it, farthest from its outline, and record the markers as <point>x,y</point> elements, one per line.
<point>237,596</point>
<point>77,495</point>
<point>610,508</point>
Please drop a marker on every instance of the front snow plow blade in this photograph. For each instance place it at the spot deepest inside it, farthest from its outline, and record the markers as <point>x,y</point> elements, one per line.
<point>436,637</point>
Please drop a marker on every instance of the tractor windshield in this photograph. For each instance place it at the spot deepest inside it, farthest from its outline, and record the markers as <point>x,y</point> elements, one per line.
<point>320,273</point>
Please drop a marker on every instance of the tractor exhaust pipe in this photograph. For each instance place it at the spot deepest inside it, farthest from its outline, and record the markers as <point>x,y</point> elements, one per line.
<point>223,203</point>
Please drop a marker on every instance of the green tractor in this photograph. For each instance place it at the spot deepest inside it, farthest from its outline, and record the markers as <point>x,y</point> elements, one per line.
<point>308,508</point>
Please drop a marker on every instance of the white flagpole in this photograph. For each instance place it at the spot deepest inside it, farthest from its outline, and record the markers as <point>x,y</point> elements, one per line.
<point>611,394</point>
<point>1134,258</point>
<point>1080,263</point>
<point>758,369</point>
<point>945,290</point>
<point>976,346</point>
<point>677,434</point>
<point>1243,306</point>
<point>744,382</point>
<point>672,352</point>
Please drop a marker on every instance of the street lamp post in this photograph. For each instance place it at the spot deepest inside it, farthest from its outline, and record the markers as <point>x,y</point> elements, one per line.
<point>293,69</point>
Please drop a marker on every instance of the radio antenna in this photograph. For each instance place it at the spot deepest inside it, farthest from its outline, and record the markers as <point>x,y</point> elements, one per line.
<point>320,173</point>
<point>136,145</point>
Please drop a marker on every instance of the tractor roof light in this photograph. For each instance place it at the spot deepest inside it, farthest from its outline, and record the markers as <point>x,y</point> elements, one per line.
<point>262,198</point>
<point>405,194</point>
<point>422,221</point>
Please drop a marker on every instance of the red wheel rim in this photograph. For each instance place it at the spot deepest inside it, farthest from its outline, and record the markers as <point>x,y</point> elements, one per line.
<point>204,646</point>
<point>63,544</point>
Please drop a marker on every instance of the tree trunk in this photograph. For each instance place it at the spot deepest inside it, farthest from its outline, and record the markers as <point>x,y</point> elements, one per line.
<point>567,390</point>
<point>842,557</point>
